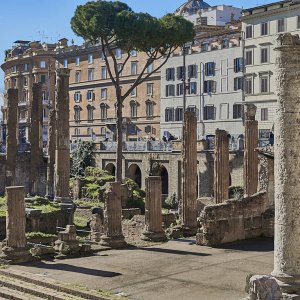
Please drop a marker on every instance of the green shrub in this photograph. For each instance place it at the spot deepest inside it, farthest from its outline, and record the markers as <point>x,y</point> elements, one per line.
<point>171,202</point>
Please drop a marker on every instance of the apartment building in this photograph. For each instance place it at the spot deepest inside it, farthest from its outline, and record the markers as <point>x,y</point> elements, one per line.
<point>25,63</point>
<point>214,73</point>
<point>261,26</point>
<point>93,99</point>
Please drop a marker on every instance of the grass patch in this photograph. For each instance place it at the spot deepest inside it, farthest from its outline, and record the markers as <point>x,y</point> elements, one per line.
<point>81,222</point>
<point>40,235</point>
<point>89,203</point>
<point>2,213</point>
<point>43,204</point>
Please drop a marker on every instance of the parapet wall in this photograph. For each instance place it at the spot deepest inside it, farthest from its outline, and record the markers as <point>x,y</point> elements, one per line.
<point>236,220</point>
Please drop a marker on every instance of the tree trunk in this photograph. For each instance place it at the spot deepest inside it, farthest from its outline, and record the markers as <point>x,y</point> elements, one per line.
<point>119,140</point>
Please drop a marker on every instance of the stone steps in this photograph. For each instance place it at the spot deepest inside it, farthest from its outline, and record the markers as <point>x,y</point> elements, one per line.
<point>22,285</point>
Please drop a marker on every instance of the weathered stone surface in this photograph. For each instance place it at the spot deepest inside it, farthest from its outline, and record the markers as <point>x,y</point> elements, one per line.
<point>113,236</point>
<point>263,287</point>
<point>36,140</point>
<point>153,215</point>
<point>51,153</point>
<point>67,243</point>
<point>11,138</point>
<point>221,170</point>
<point>287,160</point>
<point>96,225</point>
<point>250,153</point>
<point>189,174</point>
<point>62,152</point>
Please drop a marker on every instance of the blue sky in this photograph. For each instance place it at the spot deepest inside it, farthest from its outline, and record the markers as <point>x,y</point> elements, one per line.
<point>49,20</point>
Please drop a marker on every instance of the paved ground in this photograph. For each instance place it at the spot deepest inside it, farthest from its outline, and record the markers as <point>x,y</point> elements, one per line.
<point>176,270</point>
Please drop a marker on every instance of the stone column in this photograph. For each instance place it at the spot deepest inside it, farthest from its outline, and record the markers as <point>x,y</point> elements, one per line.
<point>221,168</point>
<point>287,162</point>
<point>36,139</point>
<point>113,236</point>
<point>12,135</point>
<point>62,152</point>
<point>153,216</point>
<point>250,153</point>
<point>51,154</point>
<point>15,246</point>
<point>189,174</point>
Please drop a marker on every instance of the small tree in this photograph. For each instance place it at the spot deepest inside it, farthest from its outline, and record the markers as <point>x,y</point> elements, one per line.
<point>114,24</point>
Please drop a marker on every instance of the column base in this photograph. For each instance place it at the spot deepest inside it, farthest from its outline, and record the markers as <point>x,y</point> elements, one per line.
<point>189,231</point>
<point>290,285</point>
<point>14,256</point>
<point>63,200</point>
<point>115,242</point>
<point>154,236</point>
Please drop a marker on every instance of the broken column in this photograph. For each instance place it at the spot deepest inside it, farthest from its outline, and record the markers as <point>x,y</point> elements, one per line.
<point>287,163</point>
<point>14,249</point>
<point>221,169</point>
<point>12,136</point>
<point>250,153</point>
<point>153,215</point>
<point>189,174</point>
<point>113,235</point>
<point>51,154</point>
<point>62,152</point>
<point>36,139</point>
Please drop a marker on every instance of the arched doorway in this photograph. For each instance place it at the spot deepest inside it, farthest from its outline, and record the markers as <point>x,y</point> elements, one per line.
<point>165,181</point>
<point>111,169</point>
<point>134,173</point>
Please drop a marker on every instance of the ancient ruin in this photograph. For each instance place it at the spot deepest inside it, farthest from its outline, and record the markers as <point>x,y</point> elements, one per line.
<point>221,168</point>
<point>153,216</point>
<point>189,174</point>
<point>62,152</point>
<point>11,138</point>
<point>250,153</point>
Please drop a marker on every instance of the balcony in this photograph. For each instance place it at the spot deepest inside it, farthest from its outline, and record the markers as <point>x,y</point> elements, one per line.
<point>23,103</point>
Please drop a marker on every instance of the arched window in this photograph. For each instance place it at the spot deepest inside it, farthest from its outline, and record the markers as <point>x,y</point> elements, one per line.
<point>133,109</point>
<point>90,112</point>
<point>103,111</point>
<point>77,110</point>
<point>149,109</point>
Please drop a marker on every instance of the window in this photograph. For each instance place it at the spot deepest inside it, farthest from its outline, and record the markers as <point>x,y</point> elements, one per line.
<point>89,131</point>
<point>133,68</point>
<point>204,46</point>
<point>90,113</point>
<point>90,95</point>
<point>133,109</point>
<point>170,90</point>
<point>44,95</point>
<point>179,114</point>
<point>102,56</point>
<point>103,94</point>
<point>76,131</point>
<point>238,65</point>
<point>26,67</point>
<point>77,97</point>
<point>90,59</point>
<point>179,89</point>
<point>209,112</point>
<point>238,83</point>
<point>210,86</point>
<point>133,53</point>
<point>14,69</point>
<point>203,20</point>
<point>192,71</point>
<point>103,72</point>
<point>150,68</point>
<point>264,84</point>
<point>280,25</point>
<point>225,43</point>
<point>223,111</point>
<point>90,74</point>
<point>133,92</point>
<point>25,96</point>
<point>149,109</point>
<point>170,74</point>
<point>248,31</point>
<point>118,53</point>
<point>248,85</point>
<point>193,88</point>
<point>103,111</point>
<point>180,72</point>
<point>77,76</point>
<point>65,63</point>
<point>149,89</point>
<point>42,64</point>
<point>193,108</point>
<point>25,81</point>
<point>264,28</point>
<point>169,114</point>
<point>248,54</point>
<point>43,79</point>
<point>298,22</point>
<point>77,113</point>
<point>210,69</point>
<point>237,111</point>
<point>264,57</point>
<point>77,61</point>
<point>264,114</point>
